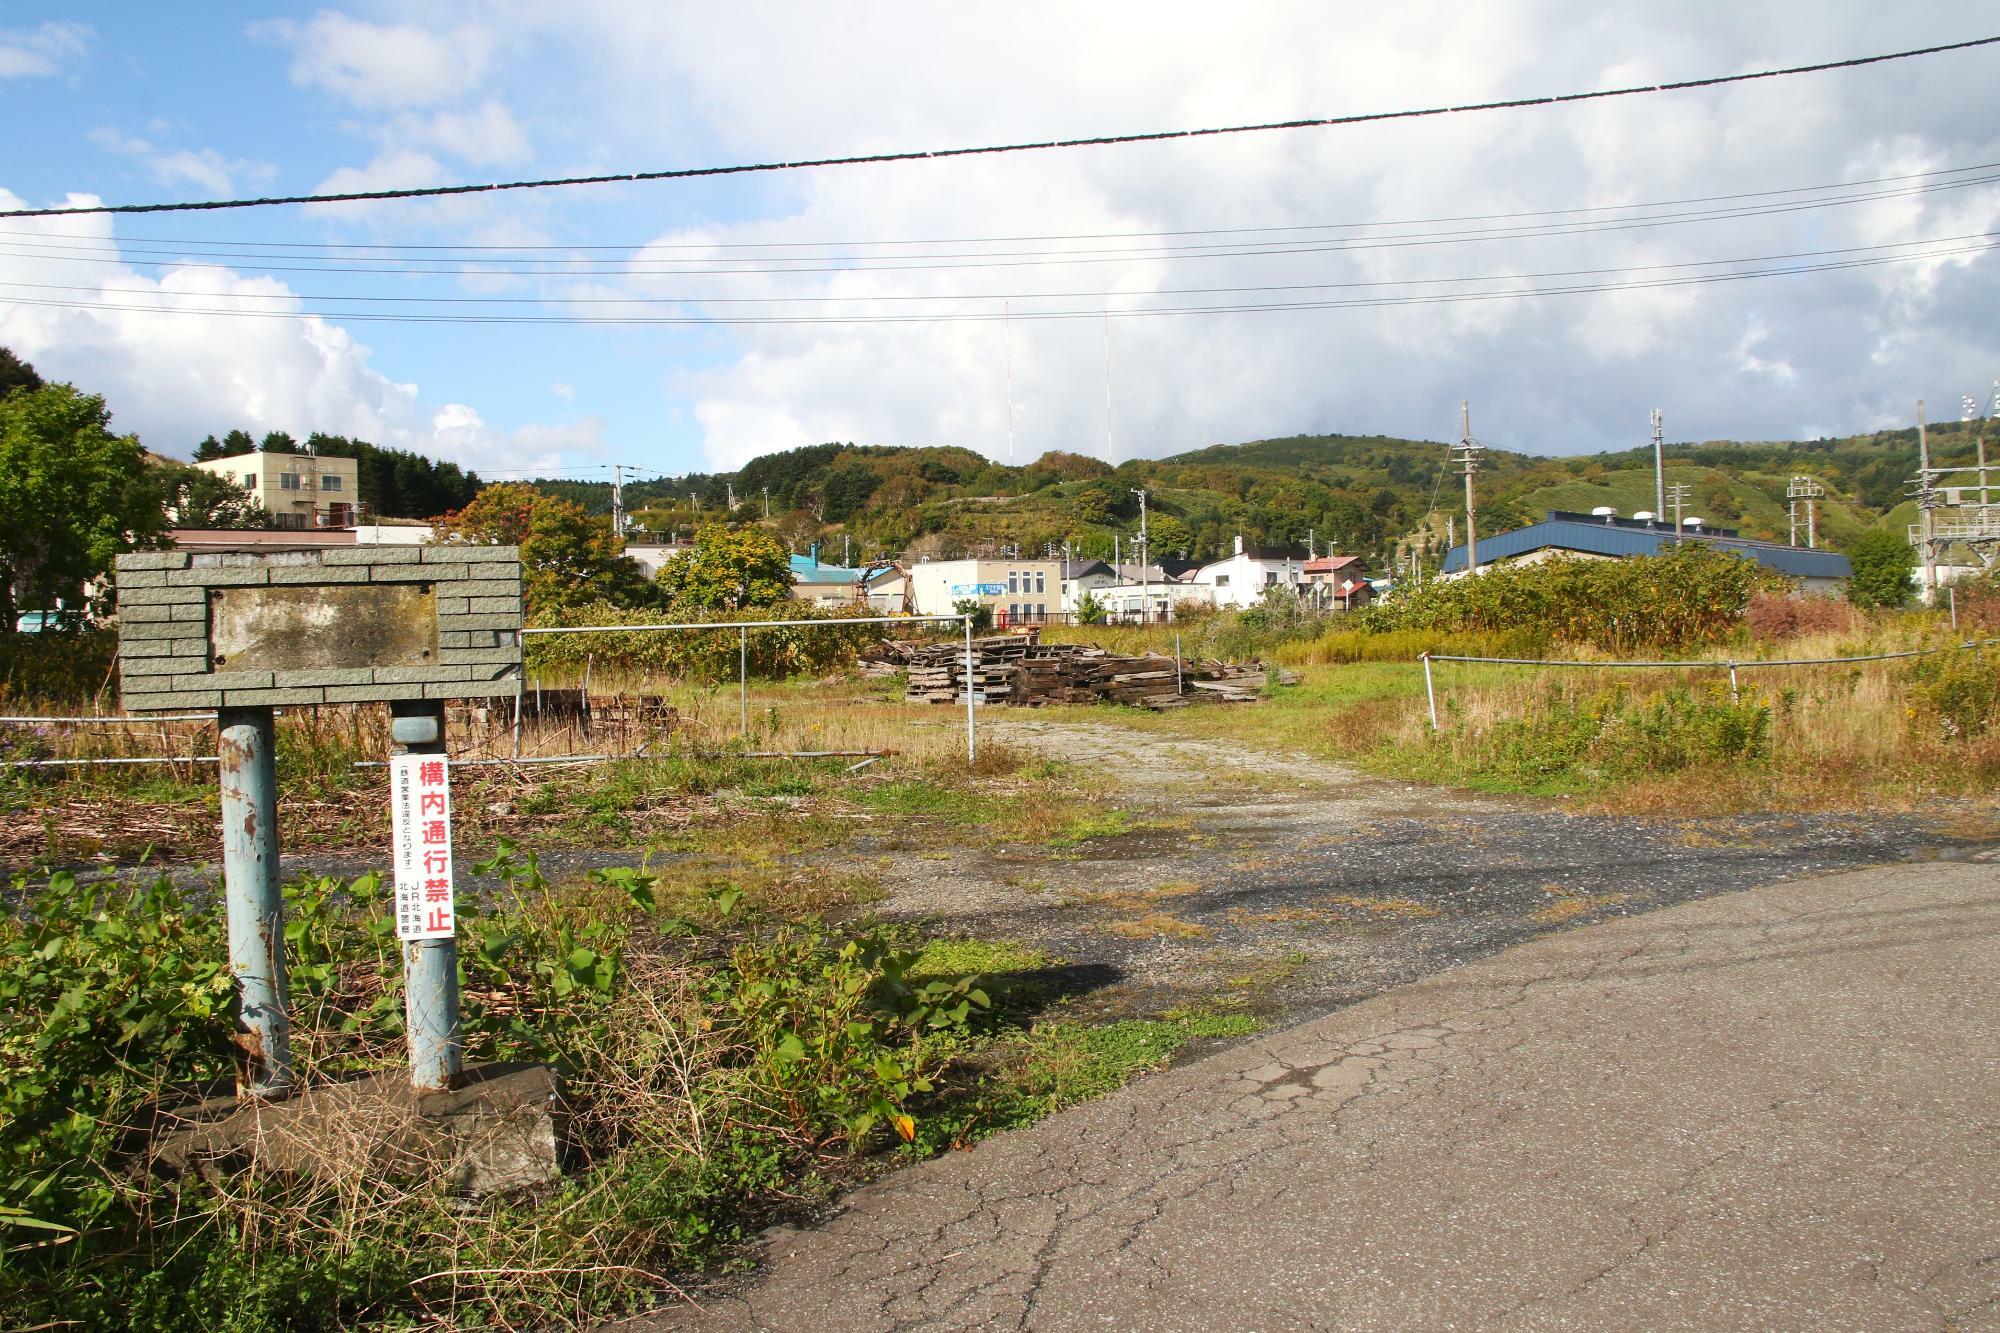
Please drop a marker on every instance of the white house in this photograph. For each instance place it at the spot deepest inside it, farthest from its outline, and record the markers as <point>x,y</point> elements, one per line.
<point>1084,576</point>
<point>1239,580</point>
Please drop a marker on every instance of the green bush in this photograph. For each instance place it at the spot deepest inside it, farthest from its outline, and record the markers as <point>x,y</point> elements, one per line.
<point>1576,737</point>
<point>1689,596</point>
<point>1953,695</point>
<point>702,654</point>
<point>711,1058</point>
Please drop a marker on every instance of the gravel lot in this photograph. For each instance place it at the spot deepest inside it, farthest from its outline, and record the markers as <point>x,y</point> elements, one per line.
<point>1299,886</point>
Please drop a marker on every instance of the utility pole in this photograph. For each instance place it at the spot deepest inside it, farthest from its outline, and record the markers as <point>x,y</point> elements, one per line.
<point>618,498</point>
<point>1659,462</point>
<point>1678,494</point>
<point>1310,553</point>
<point>844,561</point>
<point>1468,457</point>
<point>1926,502</point>
<point>1145,576</point>
<point>767,502</point>
<point>729,489</point>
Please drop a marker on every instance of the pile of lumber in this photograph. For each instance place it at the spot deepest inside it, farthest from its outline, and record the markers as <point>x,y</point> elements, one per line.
<point>1020,669</point>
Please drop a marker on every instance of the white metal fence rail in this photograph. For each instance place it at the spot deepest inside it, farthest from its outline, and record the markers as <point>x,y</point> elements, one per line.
<point>743,655</point>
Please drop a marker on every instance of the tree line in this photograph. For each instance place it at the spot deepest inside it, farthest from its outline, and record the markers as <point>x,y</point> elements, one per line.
<point>394,483</point>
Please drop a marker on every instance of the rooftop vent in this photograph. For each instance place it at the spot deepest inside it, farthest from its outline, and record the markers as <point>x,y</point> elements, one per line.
<point>1644,516</point>
<point>1690,522</point>
<point>1605,512</point>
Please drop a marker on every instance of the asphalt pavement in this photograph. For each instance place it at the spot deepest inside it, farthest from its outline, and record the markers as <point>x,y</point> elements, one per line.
<point>1770,1108</point>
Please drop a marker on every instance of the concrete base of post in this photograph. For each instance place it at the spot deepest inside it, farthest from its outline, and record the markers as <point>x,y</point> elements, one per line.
<point>502,1129</point>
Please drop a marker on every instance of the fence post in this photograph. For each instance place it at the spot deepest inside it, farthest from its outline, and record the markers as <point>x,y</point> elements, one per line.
<point>430,967</point>
<point>1430,691</point>
<point>519,686</point>
<point>1951,591</point>
<point>246,741</point>
<point>743,679</point>
<point>1732,683</point>
<point>1178,689</point>
<point>971,749</point>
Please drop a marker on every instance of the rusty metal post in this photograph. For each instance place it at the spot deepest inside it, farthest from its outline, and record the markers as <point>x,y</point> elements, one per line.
<point>247,747</point>
<point>430,967</point>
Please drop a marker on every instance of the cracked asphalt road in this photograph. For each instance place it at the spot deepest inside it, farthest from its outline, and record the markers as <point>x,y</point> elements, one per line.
<point>1772,1108</point>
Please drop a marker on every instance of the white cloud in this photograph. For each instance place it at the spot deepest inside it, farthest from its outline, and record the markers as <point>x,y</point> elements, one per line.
<point>1556,373</point>
<point>563,391</point>
<point>488,133</point>
<point>380,66</point>
<point>174,374</point>
<point>204,168</point>
<point>41,51</point>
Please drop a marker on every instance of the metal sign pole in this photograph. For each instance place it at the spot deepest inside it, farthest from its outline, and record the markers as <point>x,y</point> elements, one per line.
<point>430,966</point>
<point>971,751</point>
<point>247,746</point>
<point>743,678</point>
<point>1430,691</point>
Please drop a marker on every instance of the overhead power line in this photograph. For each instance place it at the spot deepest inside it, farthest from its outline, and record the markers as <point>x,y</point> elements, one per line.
<point>1443,298</point>
<point>333,248</point>
<point>115,253</point>
<point>855,298</point>
<point>938,154</point>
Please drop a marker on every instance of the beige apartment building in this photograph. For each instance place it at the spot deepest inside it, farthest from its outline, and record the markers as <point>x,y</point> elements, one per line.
<point>1020,592</point>
<point>296,490</point>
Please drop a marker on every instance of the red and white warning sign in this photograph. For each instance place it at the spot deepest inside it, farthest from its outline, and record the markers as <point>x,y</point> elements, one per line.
<point>420,826</point>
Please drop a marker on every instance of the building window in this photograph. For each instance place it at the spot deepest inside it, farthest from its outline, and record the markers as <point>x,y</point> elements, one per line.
<point>1013,581</point>
<point>1041,581</point>
<point>329,483</point>
<point>249,481</point>
<point>288,481</point>
<point>1270,576</point>
<point>1222,580</point>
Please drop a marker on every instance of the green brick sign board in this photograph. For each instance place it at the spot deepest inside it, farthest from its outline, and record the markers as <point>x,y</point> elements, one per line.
<point>358,624</point>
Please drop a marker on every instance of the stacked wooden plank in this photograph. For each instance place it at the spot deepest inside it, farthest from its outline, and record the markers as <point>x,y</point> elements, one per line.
<point>1019,669</point>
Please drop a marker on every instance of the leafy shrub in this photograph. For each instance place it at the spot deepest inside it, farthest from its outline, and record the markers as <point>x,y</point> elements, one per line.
<point>1954,695</point>
<point>1574,736</point>
<point>105,994</point>
<point>703,654</point>
<point>711,1059</point>
<point>1689,596</point>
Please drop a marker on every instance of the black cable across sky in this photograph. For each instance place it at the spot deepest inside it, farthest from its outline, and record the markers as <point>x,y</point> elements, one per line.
<point>928,155</point>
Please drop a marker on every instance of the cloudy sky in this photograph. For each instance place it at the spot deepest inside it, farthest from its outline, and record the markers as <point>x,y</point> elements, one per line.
<point>894,304</point>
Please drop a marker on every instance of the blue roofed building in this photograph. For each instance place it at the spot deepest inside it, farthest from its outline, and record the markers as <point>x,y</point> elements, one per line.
<point>1604,536</point>
<point>824,585</point>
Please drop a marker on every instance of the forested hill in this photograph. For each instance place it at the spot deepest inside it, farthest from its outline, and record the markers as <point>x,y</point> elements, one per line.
<point>1369,495</point>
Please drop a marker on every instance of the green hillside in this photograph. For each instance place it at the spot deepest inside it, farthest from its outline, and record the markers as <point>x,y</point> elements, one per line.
<point>1368,495</point>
